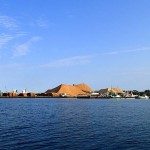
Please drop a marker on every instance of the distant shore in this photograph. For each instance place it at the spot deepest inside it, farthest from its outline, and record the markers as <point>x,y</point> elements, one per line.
<point>85,97</point>
<point>81,90</point>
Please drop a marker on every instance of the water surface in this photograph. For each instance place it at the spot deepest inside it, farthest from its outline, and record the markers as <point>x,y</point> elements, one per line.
<point>65,124</point>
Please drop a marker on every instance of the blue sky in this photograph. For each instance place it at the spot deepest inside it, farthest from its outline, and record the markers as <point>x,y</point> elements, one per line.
<point>102,43</point>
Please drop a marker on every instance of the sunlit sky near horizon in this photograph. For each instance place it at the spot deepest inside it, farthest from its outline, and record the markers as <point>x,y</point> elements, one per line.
<point>103,43</point>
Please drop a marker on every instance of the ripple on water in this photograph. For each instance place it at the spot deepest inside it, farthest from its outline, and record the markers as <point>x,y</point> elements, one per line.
<point>74,124</point>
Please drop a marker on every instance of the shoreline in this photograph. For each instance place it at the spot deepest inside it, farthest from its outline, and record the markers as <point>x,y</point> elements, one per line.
<point>33,97</point>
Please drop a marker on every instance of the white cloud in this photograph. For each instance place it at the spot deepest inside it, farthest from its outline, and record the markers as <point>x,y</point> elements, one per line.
<point>39,22</point>
<point>10,66</point>
<point>4,39</point>
<point>24,49</point>
<point>42,23</point>
<point>8,22</point>
<point>20,34</point>
<point>127,51</point>
<point>71,61</point>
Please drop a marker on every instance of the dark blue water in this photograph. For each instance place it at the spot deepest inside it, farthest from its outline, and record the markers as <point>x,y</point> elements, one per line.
<point>76,124</point>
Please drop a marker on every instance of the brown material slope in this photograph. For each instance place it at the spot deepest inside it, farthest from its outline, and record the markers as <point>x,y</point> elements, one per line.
<point>114,90</point>
<point>66,89</point>
<point>83,87</point>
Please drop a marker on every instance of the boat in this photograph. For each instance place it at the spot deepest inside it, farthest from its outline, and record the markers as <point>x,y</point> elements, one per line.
<point>115,96</point>
<point>142,97</point>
